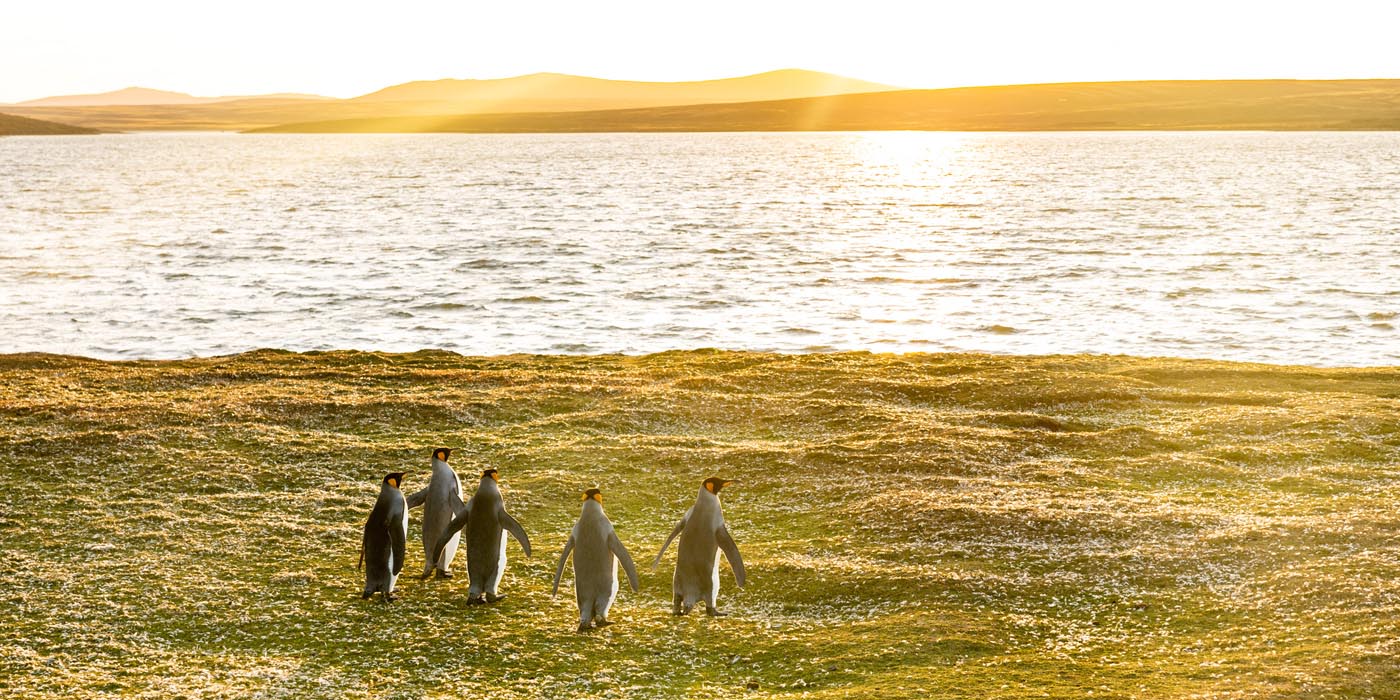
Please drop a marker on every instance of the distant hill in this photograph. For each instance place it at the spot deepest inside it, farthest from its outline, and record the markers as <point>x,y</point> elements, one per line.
<point>11,125</point>
<point>597,93</point>
<point>234,115</point>
<point>1216,104</point>
<point>542,92</point>
<point>147,96</point>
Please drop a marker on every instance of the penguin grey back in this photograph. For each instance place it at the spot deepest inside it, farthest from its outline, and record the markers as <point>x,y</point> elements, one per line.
<point>703,535</point>
<point>442,501</point>
<point>484,527</point>
<point>385,539</point>
<point>597,552</point>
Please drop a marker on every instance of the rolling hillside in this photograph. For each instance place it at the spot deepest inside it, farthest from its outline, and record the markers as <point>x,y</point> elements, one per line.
<point>542,92</point>
<point>219,116</point>
<point>598,93</point>
<point>11,125</point>
<point>1227,104</point>
<point>146,96</point>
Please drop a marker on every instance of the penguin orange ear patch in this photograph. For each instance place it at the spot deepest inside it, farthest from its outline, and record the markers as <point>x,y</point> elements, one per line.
<point>585,497</point>
<point>709,487</point>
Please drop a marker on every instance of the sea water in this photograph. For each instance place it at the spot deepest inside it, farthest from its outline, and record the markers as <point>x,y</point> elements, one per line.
<point>1273,247</point>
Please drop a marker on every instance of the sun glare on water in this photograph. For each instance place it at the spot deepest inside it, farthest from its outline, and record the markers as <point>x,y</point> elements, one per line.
<point>912,157</point>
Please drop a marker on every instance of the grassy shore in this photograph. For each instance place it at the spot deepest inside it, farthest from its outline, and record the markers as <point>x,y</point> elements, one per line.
<point>915,526</point>
<point>11,125</point>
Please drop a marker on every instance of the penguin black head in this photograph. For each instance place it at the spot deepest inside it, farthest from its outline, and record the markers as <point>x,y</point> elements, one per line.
<point>593,494</point>
<point>442,454</point>
<point>395,479</point>
<point>491,473</point>
<point>714,484</point>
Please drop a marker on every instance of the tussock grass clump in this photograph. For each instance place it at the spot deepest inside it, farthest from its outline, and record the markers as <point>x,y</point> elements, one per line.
<point>914,526</point>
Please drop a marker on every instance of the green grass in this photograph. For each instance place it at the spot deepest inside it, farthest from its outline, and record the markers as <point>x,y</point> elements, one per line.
<point>915,526</point>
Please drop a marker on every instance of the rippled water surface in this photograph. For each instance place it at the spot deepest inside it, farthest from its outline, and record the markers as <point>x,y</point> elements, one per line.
<point>1256,246</point>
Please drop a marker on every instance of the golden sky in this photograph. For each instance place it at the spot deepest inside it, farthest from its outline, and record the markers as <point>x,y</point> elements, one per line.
<point>349,48</point>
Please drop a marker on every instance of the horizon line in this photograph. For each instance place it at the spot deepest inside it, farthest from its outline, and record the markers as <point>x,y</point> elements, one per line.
<point>255,95</point>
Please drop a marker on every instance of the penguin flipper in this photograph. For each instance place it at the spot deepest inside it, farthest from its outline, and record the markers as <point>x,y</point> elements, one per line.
<point>731,553</point>
<point>563,557</point>
<point>458,522</point>
<point>515,530</point>
<point>679,526</point>
<point>458,507</point>
<point>624,558</point>
<point>416,499</point>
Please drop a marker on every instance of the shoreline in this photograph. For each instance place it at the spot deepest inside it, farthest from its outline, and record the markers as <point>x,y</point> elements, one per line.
<point>892,130</point>
<point>390,357</point>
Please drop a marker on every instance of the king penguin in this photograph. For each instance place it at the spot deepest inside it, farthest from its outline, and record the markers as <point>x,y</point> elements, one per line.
<point>597,551</point>
<point>441,501</point>
<point>486,523</point>
<point>386,535</point>
<point>702,535</point>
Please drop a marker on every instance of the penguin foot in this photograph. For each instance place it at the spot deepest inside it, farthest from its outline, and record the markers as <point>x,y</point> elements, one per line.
<point>390,597</point>
<point>424,577</point>
<point>582,627</point>
<point>601,623</point>
<point>715,612</point>
<point>444,574</point>
<point>493,598</point>
<point>476,601</point>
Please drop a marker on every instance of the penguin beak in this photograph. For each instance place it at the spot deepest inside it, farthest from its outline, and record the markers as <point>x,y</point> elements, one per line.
<point>730,481</point>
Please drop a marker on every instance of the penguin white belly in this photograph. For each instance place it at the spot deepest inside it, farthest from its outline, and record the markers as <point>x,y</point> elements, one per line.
<point>495,582</point>
<point>393,577</point>
<point>450,551</point>
<point>612,590</point>
<point>714,582</point>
